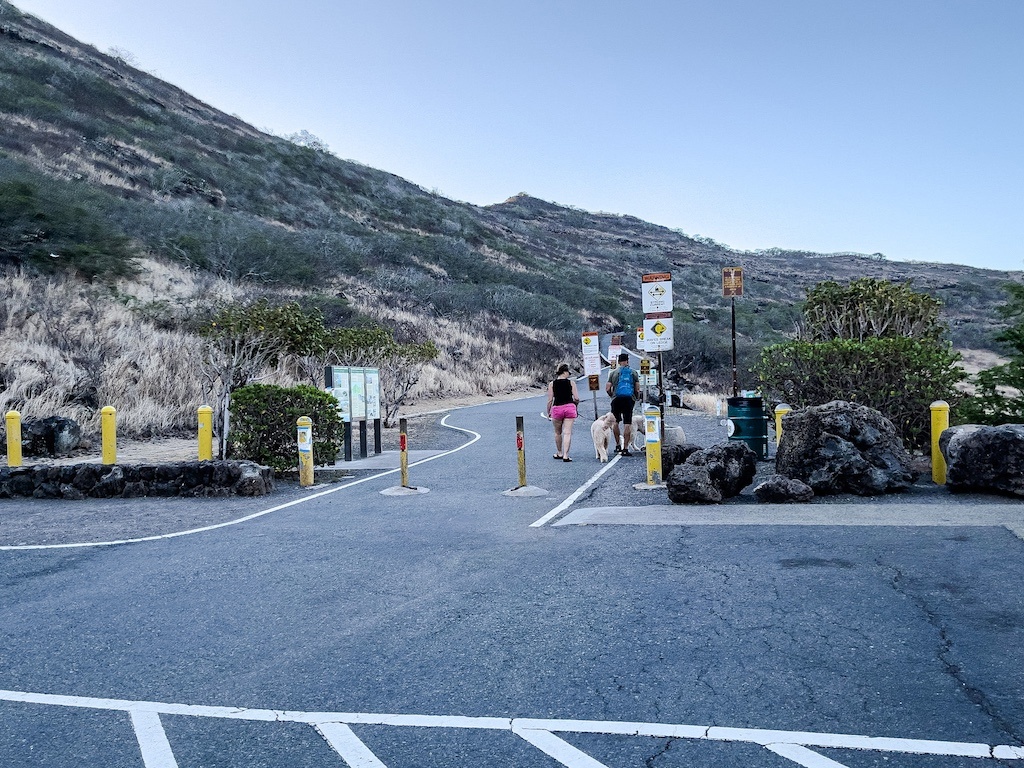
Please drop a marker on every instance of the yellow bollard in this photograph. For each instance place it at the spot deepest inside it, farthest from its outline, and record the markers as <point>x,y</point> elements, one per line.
<point>940,423</point>
<point>13,439</point>
<point>205,433</point>
<point>780,411</point>
<point>108,424</point>
<point>521,450</point>
<point>305,439</point>
<point>652,428</point>
<point>403,450</point>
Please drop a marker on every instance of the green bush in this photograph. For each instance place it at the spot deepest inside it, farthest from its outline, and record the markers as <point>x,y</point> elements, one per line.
<point>900,377</point>
<point>263,425</point>
<point>999,391</point>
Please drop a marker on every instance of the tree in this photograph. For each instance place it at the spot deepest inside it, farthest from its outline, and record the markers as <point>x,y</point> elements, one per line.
<point>243,342</point>
<point>400,364</point>
<point>869,308</point>
<point>870,342</point>
<point>999,391</point>
<point>400,368</point>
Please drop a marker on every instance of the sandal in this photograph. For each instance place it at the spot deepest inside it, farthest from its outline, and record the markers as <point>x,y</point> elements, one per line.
<point>556,457</point>
<point>566,459</point>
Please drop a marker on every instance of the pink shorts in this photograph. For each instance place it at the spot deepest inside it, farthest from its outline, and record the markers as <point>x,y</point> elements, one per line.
<point>567,411</point>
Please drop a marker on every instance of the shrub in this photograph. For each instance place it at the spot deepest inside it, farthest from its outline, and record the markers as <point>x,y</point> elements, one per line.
<point>999,397</point>
<point>900,377</point>
<point>264,430</point>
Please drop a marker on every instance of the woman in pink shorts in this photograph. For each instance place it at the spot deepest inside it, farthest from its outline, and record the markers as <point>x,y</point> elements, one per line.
<point>562,401</point>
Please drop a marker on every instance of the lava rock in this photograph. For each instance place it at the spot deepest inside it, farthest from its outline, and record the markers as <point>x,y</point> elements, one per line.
<point>842,447</point>
<point>987,459</point>
<point>711,475</point>
<point>779,489</point>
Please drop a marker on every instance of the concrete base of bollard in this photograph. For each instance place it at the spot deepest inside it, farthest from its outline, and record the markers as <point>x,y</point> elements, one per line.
<point>646,487</point>
<point>403,490</point>
<point>525,490</point>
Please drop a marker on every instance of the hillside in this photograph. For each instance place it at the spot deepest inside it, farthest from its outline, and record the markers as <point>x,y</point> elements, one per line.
<point>114,174</point>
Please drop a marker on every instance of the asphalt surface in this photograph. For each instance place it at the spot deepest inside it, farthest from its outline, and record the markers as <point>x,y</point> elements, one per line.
<point>349,605</point>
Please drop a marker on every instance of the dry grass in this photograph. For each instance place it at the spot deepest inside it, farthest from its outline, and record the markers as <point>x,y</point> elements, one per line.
<point>68,348</point>
<point>705,402</point>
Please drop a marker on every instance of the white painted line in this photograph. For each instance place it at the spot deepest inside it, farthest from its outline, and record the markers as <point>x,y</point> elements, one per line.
<point>575,495</point>
<point>1008,753</point>
<point>348,745</point>
<point>205,528</point>
<point>414,721</point>
<point>803,756</point>
<point>560,750</point>
<point>614,728</point>
<point>846,741</point>
<point>156,750</point>
<point>145,718</point>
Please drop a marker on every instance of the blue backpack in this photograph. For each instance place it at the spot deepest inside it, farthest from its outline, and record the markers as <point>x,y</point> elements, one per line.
<point>625,386</point>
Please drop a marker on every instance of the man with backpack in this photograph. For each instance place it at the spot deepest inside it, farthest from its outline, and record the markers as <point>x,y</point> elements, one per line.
<point>624,389</point>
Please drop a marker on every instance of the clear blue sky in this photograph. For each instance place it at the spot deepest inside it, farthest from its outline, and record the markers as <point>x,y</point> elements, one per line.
<point>892,126</point>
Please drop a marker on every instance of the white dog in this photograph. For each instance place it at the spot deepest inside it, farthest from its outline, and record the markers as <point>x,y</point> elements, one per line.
<point>639,436</point>
<point>601,431</point>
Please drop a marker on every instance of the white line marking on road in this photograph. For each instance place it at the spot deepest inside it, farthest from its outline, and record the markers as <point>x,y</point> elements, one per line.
<point>559,749</point>
<point>616,728</point>
<point>247,518</point>
<point>156,750</point>
<point>1008,753</point>
<point>348,745</point>
<point>145,715</point>
<point>803,756</point>
<point>575,495</point>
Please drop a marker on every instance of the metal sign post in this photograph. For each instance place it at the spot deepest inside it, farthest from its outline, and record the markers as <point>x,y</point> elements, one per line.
<point>592,362</point>
<point>656,296</point>
<point>732,286</point>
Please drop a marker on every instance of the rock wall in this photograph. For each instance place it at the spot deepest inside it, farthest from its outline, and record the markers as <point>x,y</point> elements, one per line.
<point>128,481</point>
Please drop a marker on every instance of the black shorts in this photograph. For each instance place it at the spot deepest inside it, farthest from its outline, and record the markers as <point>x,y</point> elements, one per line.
<point>622,408</point>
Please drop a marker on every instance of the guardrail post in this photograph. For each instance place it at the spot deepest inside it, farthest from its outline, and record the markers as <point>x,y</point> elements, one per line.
<point>304,431</point>
<point>108,428</point>
<point>940,423</point>
<point>205,433</point>
<point>403,450</point>
<point>521,449</point>
<point>13,439</point>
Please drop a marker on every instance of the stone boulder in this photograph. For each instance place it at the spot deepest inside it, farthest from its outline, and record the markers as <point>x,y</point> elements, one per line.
<point>673,455</point>
<point>987,459</point>
<point>711,475</point>
<point>841,447</point>
<point>779,489</point>
<point>55,436</point>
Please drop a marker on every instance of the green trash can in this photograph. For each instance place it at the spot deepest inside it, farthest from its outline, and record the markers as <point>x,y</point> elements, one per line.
<point>747,422</point>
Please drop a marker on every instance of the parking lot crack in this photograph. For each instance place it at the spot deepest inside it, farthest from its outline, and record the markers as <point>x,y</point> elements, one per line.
<point>946,657</point>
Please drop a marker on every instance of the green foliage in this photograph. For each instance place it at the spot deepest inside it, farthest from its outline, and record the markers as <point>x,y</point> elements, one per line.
<point>999,391</point>
<point>998,396</point>
<point>869,308</point>
<point>263,418</point>
<point>876,344</point>
<point>41,228</point>
<point>255,334</point>
<point>899,377</point>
